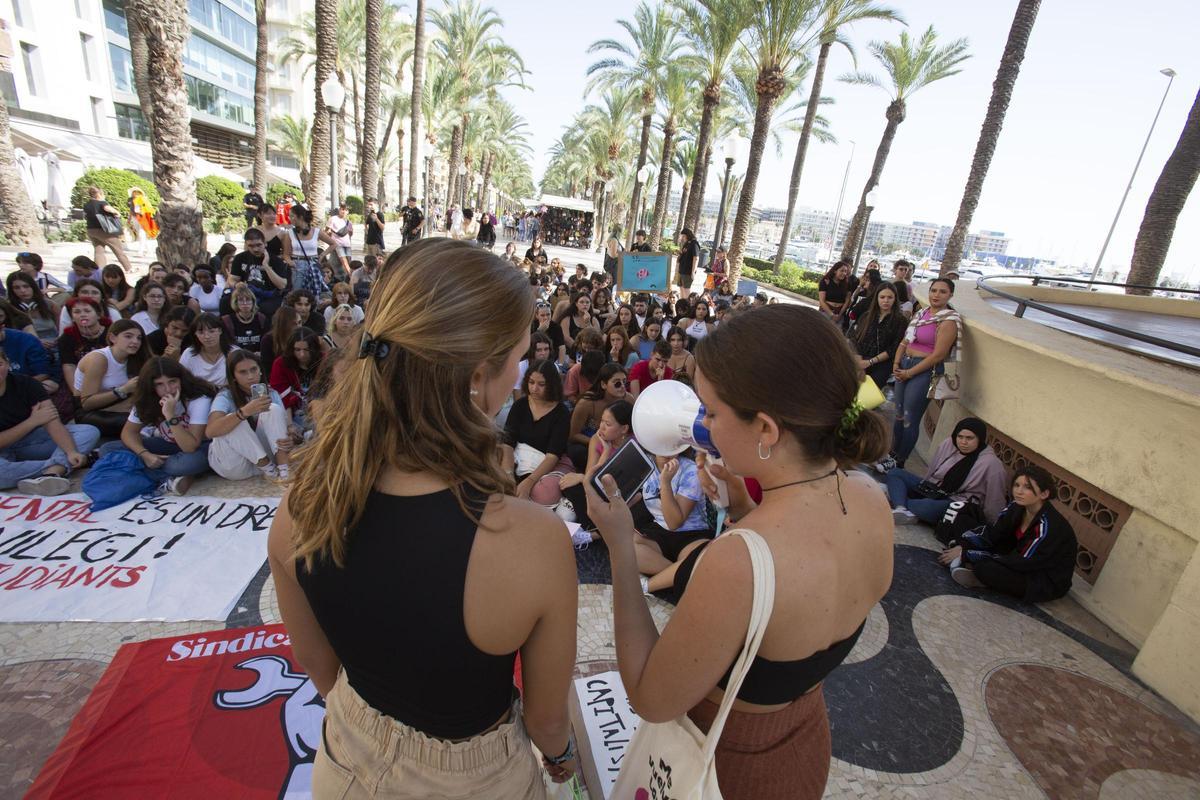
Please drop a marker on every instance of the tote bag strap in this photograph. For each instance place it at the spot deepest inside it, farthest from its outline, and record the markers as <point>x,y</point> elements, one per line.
<point>760,614</point>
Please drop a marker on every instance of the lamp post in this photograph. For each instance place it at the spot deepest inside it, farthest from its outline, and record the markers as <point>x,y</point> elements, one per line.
<point>334,94</point>
<point>1170,73</point>
<point>640,179</point>
<point>732,150</point>
<point>837,215</point>
<point>425,153</point>
<point>872,199</point>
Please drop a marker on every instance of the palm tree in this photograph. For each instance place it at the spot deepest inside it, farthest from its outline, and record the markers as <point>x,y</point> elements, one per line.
<point>677,81</point>
<point>910,66</point>
<point>656,44</point>
<point>294,137</point>
<point>325,41</point>
<point>367,154</point>
<point>606,140</point>
<point>1175,183</point>
<point>713,29</point>
<point>1002,89</point>
<point>685,164</point>
<point>418,87</point>
<point>836,15</point>
<point>20,220</point>
<point>474,55</point>
<point>181,222</point>
<point>261,55</point>
<point>780,33</point>
<point>141,67</point>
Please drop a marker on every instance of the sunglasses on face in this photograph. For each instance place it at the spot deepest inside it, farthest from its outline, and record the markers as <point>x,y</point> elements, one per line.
<point>618,383</point>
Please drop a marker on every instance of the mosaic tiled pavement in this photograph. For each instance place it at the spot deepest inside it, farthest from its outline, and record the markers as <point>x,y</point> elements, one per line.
<point>949,693</point>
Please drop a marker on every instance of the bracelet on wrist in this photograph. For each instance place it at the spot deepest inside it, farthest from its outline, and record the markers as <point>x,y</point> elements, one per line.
<point>240,415</point>
<point>173,421</point>
<point>566,756</point>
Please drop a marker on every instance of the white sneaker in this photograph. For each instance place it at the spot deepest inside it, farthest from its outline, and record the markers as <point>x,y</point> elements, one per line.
<point>270,472</point>
<point>965,576</point>
<point>581,538</point>
<point>645,582</point>
<point>884,464</point>
<point>956,563</point>
<point>172,486</point>
<point>902,516</point>
<point>565,510</point>
<point>44,485</point>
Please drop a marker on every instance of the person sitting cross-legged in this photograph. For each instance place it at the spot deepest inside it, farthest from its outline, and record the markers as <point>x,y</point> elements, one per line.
<point>964,467</point>
<point>669,516</point>
<point>1028,552</point>
<point>166,426</point>
<point>37,451</point>
<point>250,428</point>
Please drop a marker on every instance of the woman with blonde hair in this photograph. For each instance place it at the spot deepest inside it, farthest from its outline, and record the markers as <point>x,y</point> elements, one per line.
<point>407,574</point>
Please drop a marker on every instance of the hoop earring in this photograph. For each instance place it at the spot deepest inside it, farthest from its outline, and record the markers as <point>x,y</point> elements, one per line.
<point>760,452</point>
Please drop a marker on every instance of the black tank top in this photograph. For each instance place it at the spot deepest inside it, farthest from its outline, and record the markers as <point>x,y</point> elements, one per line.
<point>774,682</point>
<point>394,616</point>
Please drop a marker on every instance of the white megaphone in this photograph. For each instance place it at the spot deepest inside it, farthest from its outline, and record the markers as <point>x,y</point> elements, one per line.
<point>668,418</point>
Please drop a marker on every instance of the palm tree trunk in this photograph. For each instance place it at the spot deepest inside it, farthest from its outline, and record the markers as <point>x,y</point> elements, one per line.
<point>769,87</point>
<point>858,225</point>
<point>597,222</point>
<point>141,65</point>
<point>181,222</point>
<point>1002,89</point>
<point>643,149</point>
<point>487,178</point>
<point>414,123</point>
<point>810,116</point>
<point>1175,183</point>
<point>664,176</point>
<point>367,162</point>
<point>683,202</point>
<point>712,98</point>
<point>354,101</point>
<point>325,18</point>
<point>20,220</point>
<point>456,158</point>
<point>261,56</point>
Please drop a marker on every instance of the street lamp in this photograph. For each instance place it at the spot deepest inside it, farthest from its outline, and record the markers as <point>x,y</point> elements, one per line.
<point>733,149</point>
<point>1170,73</point>
<point>425,152</point>
<point>871,199</point>
<point>334,94</point>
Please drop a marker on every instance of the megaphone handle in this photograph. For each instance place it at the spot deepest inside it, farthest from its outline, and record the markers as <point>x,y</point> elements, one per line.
<point>722,487</point>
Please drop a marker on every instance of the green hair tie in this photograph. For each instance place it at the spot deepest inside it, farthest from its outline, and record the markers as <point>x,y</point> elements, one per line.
<point>850,418</point>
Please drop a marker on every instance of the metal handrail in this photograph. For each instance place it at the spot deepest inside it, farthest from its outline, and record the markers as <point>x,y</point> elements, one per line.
<point>1023,303</point>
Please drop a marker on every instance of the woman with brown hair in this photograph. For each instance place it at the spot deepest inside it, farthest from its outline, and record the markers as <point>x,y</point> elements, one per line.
<point>107,378</point>
<point>407,574</point>
<point>793,422</point>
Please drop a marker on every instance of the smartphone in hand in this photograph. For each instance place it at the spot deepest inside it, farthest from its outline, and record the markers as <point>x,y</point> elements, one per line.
<point>630,467</point>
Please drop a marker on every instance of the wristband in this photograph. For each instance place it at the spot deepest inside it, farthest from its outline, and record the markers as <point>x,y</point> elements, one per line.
<point>566,756</point>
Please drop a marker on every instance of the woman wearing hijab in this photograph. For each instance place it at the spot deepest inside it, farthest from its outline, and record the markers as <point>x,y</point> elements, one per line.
<point>964,467</point>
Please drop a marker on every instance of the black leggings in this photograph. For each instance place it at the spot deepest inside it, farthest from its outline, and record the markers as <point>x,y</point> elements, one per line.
<point>110,423</point>
<point>1004,579</point>
<point>578,497</point>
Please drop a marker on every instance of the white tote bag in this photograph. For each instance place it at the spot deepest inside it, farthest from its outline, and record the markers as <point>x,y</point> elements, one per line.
<point>674,759</point>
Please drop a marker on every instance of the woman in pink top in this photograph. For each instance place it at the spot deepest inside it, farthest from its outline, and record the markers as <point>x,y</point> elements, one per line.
<point>929,340</point>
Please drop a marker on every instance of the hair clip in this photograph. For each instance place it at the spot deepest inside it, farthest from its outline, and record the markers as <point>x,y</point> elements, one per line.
<point>371,347</point>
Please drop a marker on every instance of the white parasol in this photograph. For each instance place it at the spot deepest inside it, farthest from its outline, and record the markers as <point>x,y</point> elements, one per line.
<point>25,168</point>
<point>56,185</point>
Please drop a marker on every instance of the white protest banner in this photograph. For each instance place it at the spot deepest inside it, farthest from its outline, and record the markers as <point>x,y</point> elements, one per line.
<point>608,722</point>
<point>168,558</point>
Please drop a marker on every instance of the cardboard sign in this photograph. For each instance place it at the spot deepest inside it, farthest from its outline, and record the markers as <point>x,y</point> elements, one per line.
<point>604,724</point>
<point>168,558</point>
<point>224,713</point>
<point>747,287</point>
<point>644,272</point>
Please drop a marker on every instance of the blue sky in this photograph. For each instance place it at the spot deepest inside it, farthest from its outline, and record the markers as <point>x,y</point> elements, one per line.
<point>1088,91</point>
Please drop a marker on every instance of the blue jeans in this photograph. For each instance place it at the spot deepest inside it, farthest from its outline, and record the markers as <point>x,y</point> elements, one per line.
<point>177,461</point>
<point>900,486</point>
<point>30,456</point>
<point>911,401</point>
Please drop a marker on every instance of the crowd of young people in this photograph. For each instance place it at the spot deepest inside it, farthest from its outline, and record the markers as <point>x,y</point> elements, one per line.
<point>490,407</point>
<point>193,367</point>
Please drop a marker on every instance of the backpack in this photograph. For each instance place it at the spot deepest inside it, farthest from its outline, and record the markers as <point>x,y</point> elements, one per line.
<point>118,476</point>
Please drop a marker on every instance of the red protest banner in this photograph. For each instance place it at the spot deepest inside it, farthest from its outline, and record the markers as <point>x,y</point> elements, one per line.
<point>223,713</point>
